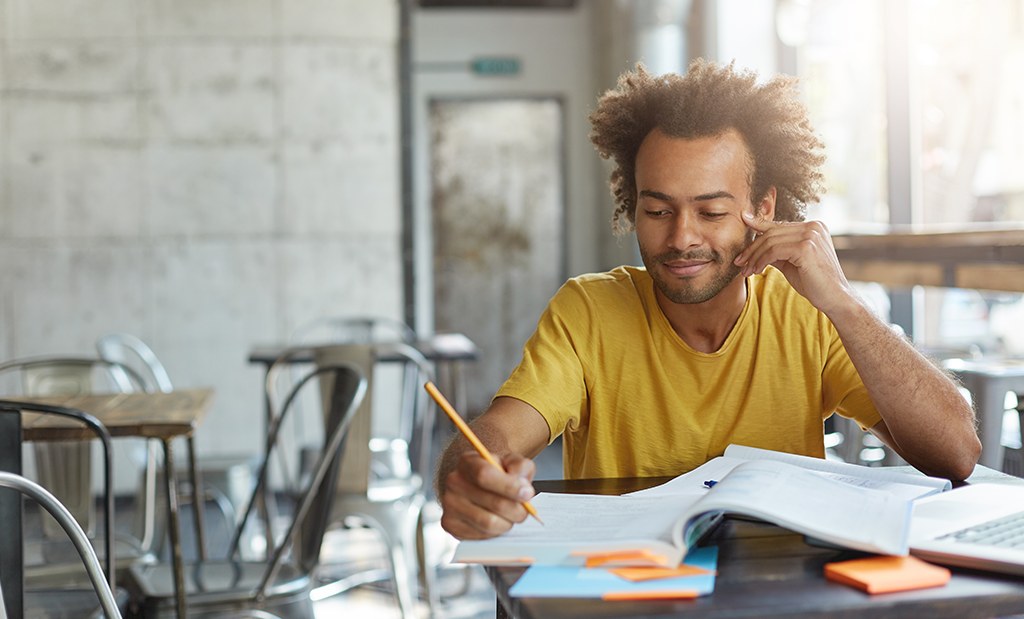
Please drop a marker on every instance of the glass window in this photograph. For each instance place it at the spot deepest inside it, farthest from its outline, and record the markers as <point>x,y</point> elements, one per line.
<point>966,102</point>
<point>839,49</point>
<point>966,61</point>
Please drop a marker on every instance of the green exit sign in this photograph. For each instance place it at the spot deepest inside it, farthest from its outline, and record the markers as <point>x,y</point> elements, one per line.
<point>495,65</point>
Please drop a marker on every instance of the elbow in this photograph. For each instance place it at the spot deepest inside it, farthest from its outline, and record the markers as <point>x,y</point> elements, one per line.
<point>962,464</point>
<point>975,453</point>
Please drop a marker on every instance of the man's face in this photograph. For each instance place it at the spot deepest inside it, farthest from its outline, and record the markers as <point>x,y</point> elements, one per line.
<point>691,194</point>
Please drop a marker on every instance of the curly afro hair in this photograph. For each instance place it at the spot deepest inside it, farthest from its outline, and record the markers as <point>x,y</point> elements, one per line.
<point>708,101</point>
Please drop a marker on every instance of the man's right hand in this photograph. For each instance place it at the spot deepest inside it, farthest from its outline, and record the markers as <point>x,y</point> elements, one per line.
<point>479,501</point>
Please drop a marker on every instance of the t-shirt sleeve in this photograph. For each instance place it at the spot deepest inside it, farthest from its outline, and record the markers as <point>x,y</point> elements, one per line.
<point>550,376</point>
<point>842,388</point>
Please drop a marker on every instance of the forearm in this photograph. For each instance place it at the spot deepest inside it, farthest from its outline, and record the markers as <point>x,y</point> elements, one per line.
<point>930,423</point>
<point>491,439</point>
<point>508,426</point>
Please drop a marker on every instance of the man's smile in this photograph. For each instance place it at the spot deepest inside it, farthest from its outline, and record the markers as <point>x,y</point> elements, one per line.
<point>686,268</point>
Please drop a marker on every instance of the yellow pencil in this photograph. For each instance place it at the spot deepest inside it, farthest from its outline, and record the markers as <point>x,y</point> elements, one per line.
<point>471,436</point>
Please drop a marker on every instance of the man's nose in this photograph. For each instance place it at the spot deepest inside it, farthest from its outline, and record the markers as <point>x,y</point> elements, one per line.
<point>685,232</point>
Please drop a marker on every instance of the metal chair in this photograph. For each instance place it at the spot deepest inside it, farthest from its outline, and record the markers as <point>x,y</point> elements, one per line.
<point>78,537</point>
<point>280,585</point>
<point>132,352</point>
<point>390,504</point>
<point>382,486</point>
<point>66,467</point>
<point>68,599</point>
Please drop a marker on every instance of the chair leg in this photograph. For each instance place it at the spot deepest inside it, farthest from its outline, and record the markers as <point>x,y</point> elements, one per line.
<point>402,579</point>
<point>399,527</point>
<point>428,576</point>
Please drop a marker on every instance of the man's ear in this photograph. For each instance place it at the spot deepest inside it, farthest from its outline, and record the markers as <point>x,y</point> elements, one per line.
<point>766,207</point>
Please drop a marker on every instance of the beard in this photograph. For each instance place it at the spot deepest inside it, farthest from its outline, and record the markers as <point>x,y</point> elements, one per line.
<point>684,290</point>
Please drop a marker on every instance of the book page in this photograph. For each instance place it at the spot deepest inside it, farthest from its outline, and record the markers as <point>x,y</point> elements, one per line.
<point>580,524</point>
<point>591,517</point>
<point>903,485</point>
<point>801,500</point>
<point>866,476</point>
<point>713,469</point>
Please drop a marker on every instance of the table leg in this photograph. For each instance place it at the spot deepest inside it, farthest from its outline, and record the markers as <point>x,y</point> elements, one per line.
<point>12,577</point>
<point>198,500</point>
<point>174,529</point>
<point>989,394</point>
<point>499,609</point>
<point>262,502</point>
<point>990,407</point>
<point>459,388</point>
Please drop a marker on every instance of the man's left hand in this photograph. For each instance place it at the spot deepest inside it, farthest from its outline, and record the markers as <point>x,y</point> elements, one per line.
<point>803,251</point>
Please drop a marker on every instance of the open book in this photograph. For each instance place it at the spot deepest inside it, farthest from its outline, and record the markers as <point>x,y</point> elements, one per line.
<point>907,485</point>
<point>658,529</point>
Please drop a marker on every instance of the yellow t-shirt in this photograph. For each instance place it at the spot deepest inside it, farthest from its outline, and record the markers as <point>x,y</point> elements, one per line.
<point>605,368</point>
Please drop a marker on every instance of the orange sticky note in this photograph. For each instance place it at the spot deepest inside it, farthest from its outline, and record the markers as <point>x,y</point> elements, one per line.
<point>623,557</point>
<point>887,574</point>
<point>640,574</point>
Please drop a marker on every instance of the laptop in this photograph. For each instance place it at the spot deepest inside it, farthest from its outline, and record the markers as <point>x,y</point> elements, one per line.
<point>980,526</point>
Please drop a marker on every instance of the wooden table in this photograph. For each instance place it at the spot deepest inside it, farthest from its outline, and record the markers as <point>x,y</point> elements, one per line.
<point>971,256</point>
<point>159,416</point>
<point>767,571</point>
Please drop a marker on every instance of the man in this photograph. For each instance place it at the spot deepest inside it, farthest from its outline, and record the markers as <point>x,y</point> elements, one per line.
<point>742,327</point>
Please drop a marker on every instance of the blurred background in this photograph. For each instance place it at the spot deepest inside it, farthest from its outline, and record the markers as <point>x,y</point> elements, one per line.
<point>210,176</point>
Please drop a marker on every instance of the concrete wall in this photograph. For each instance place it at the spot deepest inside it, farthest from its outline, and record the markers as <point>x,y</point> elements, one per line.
<point>205,175</point>
<point>554,48</point>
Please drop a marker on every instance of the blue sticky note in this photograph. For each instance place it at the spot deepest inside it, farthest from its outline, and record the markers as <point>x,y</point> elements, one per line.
<point>582,582</point>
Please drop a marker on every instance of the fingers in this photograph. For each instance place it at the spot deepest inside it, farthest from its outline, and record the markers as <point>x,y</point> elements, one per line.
<point>790,243</point>
<point>757,224</point>
<point>524,469</point>
<point>480,501</point>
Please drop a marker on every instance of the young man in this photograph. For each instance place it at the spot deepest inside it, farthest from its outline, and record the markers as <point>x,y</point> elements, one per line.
<point>742,327</point>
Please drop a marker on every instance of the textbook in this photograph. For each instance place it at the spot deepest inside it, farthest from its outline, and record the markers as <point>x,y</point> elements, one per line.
<point>658,529</point>
<point>909,485</point>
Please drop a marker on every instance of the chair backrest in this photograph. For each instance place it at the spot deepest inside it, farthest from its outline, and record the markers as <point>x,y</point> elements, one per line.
<point>74,531</point>
<point>130,351</point>
<point>391,384</point>
<point>16,408</point>
<point>344,388</point>
<point>66,467</point>
<point>357,459</point>
<point>64,375</point>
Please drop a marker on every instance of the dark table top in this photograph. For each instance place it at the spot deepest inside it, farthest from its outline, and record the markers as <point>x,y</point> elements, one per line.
<point>767,571</point>
<point>438,347</point>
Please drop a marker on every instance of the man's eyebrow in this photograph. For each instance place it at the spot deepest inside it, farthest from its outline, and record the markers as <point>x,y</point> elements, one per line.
<point>704,197</point>
<point>657,195</point>
<point>715,195</point>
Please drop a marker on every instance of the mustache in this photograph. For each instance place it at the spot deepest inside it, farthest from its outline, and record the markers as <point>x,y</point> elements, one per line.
<point>670,256</point>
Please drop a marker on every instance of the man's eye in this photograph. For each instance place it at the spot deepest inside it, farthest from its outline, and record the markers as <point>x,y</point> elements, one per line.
<point>714,215</point>
<point>656,213</point>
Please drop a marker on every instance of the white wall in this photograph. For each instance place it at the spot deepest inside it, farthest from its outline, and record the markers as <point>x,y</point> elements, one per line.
<point>206,175</point>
